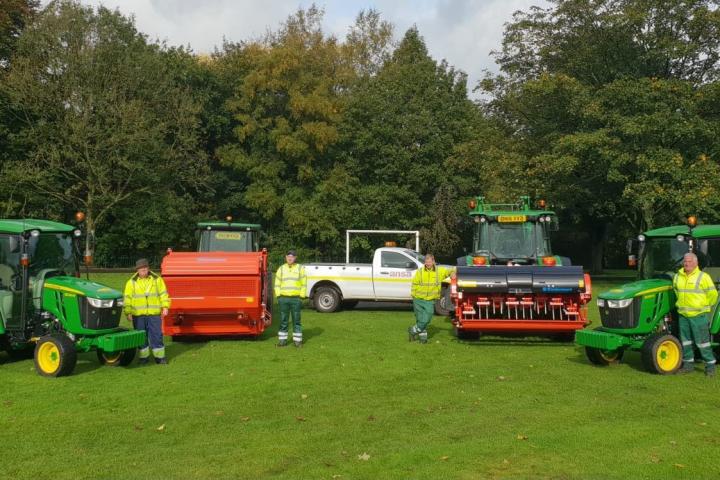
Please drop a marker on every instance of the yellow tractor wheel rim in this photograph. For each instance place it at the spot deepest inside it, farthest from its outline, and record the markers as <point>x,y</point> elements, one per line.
<point>48,357</point>
<point>112,357</point>
<point>668,356</point>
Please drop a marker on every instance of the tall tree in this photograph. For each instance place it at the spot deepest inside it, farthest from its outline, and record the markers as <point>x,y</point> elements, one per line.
<point>104,120</point>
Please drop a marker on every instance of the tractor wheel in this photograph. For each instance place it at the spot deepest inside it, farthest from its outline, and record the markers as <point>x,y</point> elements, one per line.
<point>465,334</point>
<point>603,357</point>
<point>326,300</point>
<point>444,304</point>
<point>662,354</point>
<point>122,358</point>
<point>55,355</point>
<point>349,304</point>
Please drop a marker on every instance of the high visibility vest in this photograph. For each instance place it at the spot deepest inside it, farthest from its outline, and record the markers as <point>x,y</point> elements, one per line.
<point>290,281</point>
<point>145,296</point>
<point>426,284</point>
<point>696,292</point>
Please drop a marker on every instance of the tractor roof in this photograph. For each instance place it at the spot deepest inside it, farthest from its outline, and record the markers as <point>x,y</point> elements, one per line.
<point>701,231</point>
<point>17,226</point>
<point>229,226</point>
<point>522,207</point>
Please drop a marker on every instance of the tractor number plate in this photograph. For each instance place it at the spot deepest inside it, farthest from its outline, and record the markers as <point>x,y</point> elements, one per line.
<point>511,218</point>
<point>229,235</point>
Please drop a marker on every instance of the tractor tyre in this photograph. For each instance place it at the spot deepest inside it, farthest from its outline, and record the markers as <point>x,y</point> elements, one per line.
<point>662,354</point>
<point>349,304</point>
<point>465,334</point>
<point>123,358</point>
<point>327,300</point>
<point>444,304</point>
<point>55,355</point>
<point>603,357</point>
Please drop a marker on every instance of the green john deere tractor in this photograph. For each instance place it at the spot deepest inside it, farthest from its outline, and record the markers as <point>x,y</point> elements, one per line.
<point>44,303</point>
<point>641,315</point>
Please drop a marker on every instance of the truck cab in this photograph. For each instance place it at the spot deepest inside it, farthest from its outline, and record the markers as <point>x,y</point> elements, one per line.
<point>228,237</point>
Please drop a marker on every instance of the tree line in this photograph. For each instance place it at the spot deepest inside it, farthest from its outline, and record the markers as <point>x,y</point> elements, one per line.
<point>608,109</point>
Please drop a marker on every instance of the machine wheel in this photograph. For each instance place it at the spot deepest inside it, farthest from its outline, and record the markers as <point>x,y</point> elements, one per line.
<point>444,304</point>
<point>349,304</point>
<point>603,357</point>
<point>122,358</point>
<point>662,354</point>
<point>326,300</point>
<point>55,355</point>
<point>465,334</point>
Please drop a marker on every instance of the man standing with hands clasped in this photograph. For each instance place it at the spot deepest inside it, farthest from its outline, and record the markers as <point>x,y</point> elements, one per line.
<point>290,286</point>
<point>426,287</point>
<point>696,296</point>
<point>146,299</point>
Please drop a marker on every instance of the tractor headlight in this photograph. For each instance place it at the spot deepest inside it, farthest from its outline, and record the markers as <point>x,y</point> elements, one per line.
<point>98,303</point>
<point>601,302</point>
<point>619,303</point>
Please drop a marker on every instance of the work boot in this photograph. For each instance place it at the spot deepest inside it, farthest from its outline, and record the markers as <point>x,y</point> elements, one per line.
<point>298,344</point>
<point>161,361</point>
<point>412,335</point>
<point>143,361</point>
<point>688,367</point>
<point>282,343</point>
<point>709,370</point>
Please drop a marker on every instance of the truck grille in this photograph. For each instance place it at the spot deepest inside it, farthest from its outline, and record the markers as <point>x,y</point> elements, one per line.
<point>624,318</point>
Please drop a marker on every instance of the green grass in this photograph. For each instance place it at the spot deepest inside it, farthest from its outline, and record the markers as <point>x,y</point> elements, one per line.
<point>360,401</point>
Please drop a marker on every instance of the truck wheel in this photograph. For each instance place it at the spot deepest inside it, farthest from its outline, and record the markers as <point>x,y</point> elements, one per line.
<point>603,357</point>
<point>465,334</point>
<point>55,355</point>
<point>662,354</point>
<point>122,358</point>
<point>444,304</point>
<point>326,300</point>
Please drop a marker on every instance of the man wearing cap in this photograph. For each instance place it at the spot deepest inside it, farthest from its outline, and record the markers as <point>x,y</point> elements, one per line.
<point>146,299</point>
<point>290,286</point>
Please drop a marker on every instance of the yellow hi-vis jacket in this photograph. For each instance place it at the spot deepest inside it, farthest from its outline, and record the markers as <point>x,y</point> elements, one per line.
<point>290,281</point>
<point>426,284</point>
<point>696,293</point>
<point>145,296</point>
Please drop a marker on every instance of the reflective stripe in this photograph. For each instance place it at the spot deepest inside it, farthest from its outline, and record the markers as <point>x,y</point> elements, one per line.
<point>283,335</point>
<point>159,352</point>
<point>711,362</point>
<point>290,281</point>
<point>703,345</point>
<point>144,352</point>
<point>687,343</point>
<point>297,336</point>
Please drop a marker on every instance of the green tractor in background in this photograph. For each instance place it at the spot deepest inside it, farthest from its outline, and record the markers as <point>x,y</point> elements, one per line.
<point>44,303</point>
<point>641,315</point>
<point>228,236</point>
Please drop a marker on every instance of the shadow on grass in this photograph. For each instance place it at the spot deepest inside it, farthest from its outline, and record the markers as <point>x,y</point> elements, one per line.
<point>630,358</point>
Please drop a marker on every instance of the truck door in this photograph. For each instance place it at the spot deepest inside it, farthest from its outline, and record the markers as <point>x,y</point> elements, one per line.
<point>392,275</point>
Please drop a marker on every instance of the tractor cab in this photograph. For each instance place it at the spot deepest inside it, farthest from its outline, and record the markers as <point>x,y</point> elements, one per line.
<point>511,234</point>
<point>228,237</point>
<point>661,250</point>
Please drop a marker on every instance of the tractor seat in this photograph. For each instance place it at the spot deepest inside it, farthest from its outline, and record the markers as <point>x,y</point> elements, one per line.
<point>6,274</point>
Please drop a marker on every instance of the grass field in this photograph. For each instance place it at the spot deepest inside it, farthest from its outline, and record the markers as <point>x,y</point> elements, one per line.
<point>360,401</point>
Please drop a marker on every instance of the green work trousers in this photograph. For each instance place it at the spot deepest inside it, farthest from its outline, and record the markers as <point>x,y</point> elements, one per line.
<point>696,330</point>
<point>290,306</point>
<point>424,311</point>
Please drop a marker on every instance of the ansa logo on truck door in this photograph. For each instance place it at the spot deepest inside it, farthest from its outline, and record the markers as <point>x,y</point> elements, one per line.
<point>401,274</point>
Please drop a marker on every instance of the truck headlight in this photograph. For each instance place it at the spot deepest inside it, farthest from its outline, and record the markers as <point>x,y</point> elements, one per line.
<point>600,302</point>
<point>98,303</point>
<point>619,303</point>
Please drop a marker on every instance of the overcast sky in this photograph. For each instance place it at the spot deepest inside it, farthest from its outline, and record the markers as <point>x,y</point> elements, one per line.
<point>461,31</point>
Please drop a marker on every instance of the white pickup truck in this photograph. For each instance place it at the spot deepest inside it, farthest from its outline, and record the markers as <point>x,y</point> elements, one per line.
<point>331,286</point>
